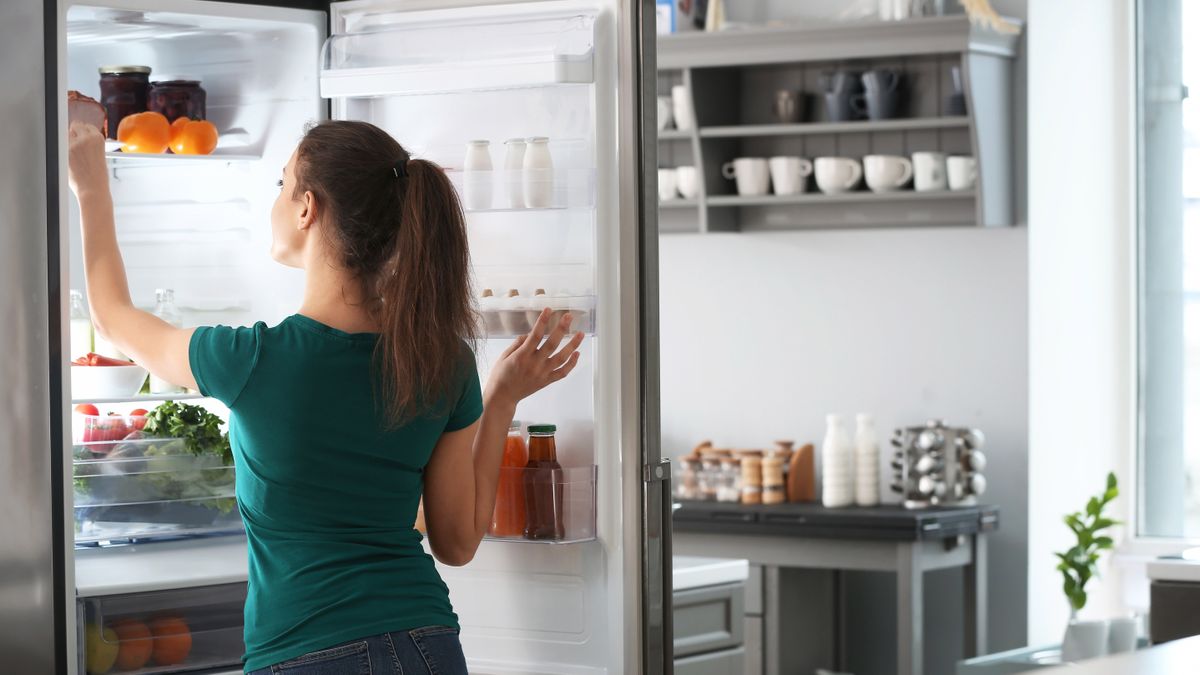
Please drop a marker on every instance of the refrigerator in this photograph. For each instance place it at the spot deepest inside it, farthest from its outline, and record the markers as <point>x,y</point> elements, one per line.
<point>82,554</point>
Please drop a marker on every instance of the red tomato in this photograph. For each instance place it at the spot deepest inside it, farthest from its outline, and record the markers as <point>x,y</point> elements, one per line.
<point>87,409</point>
<point>138,412</point>
<point>137,418</point>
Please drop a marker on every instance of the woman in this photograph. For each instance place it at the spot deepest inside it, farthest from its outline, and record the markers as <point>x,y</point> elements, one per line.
<point>348,412</point>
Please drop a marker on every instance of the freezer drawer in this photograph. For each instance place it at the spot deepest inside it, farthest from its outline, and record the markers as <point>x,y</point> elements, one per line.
<point>163,631</point>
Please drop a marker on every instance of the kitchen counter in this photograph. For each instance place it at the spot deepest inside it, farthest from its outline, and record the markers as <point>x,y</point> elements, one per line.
<point>690,572</point>
<point>1169,658</point>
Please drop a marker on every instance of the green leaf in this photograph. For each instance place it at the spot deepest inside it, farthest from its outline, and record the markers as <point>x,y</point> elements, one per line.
<point>1112,481</point>
<point>1093,507</point>
<point>1104,542</point>
<point>1102,523</point>
<point>1073,522</point>
<point>1110,495</point>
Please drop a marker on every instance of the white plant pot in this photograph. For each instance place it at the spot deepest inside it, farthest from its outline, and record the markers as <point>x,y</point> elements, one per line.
<point>1084,640</point>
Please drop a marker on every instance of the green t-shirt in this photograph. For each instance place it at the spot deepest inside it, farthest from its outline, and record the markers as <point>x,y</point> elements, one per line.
<point>328,496</point>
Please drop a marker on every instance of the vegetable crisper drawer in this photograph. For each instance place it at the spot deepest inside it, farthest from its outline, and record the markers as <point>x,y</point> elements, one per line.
<point>150,487</point>
<point>163,631</point>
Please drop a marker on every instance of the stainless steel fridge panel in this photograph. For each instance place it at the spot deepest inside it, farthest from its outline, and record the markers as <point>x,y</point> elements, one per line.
<point>33,623</point>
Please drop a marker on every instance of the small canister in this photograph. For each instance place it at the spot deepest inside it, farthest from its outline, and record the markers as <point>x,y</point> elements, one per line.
<point>772,479</point>
<point>123,92</point>
<point>710,476</point>
<point>689,483</point>
<point>729,487</point>
<point>179,97</point>
<point>752,480</point>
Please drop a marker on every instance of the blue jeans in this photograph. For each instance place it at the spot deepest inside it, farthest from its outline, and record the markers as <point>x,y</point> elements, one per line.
<point>433,650</point>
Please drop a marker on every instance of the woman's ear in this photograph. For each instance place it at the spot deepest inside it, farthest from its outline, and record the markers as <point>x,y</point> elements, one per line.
<point>308,211</point>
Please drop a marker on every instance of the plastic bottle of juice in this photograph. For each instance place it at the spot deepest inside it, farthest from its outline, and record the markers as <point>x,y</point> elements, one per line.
<point>543,486</point>
<point>81,327</point>
<point>508,520</point>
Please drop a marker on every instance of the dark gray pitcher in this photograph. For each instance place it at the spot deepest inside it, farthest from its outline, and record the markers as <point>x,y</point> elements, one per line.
<point>881,97</point>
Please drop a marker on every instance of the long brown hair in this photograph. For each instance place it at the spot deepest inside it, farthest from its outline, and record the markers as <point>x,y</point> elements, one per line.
<point>396,224</point>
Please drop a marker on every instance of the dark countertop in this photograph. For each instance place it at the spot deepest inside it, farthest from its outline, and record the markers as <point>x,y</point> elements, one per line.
<point>885,522</point>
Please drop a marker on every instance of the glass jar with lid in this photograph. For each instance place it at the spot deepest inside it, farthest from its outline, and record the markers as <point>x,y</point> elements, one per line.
<point>710,476</point>
<point>179,97</point>
<point>123,91</point>
<point>729,488</point>
<point>688,479</point>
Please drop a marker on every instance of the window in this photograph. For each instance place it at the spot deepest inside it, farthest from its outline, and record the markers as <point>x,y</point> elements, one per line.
<point>1168,139</point>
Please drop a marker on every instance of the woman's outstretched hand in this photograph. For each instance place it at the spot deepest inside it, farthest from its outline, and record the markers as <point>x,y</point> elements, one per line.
<point>86,170</point>
<point>529,364</point>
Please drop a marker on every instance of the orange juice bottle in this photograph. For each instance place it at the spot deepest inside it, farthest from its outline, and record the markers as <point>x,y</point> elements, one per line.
<point>508,520</point>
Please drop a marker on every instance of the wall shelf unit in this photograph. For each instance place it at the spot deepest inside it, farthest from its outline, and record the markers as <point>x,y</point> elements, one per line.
<point>731,78</point>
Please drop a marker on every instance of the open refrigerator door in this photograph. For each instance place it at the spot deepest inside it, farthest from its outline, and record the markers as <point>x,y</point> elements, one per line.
<point>518,102</point>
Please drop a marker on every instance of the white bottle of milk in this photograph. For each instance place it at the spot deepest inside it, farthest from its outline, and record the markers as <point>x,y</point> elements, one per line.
<point>866,461</point>
<point>81,327</point>
<point>837,464</point>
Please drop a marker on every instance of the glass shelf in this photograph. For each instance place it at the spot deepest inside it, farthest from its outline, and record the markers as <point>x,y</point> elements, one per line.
<point>141,159</point>
<point>516,192</point>
<point>141,398</point>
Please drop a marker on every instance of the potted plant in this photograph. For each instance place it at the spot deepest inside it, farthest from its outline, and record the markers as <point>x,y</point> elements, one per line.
<point>1078,565</point>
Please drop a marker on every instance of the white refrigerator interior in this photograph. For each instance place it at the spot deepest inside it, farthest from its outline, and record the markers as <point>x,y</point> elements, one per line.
<point>546,234</point>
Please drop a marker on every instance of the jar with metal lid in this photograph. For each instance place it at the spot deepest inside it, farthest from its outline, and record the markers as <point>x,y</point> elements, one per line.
<point>177,98</point>
<point>123,91</point>
<point>729,486</point>
<point>710,476</point>
<point>688,486</point>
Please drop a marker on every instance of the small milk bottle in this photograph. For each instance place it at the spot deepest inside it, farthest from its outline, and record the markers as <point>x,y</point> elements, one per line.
<point>164,308</point>
<point>837,470</point>
<point>81,327</point>
<point>866,461</point>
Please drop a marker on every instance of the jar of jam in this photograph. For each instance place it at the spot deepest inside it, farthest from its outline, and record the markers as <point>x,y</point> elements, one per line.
<point>123,92</point>
<point>178,98</point>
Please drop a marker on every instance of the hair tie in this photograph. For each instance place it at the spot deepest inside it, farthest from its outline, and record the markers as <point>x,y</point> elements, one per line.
<point>400,168</point>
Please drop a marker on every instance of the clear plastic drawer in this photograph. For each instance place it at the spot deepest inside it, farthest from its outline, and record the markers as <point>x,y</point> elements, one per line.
<point>164,631</point>
<point>150,487</point>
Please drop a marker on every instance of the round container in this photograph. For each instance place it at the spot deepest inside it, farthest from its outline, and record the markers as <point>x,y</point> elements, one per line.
<point>178,98</point>
<point>123,91</point>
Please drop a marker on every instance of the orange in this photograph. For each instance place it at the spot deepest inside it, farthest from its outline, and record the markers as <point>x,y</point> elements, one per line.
<point>193,137</point>
<point>136,644</point>
<point>172,640</point>
<point>144,132</point>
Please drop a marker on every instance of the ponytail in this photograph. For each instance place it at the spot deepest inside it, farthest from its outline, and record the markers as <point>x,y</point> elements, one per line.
<point>398,227</point>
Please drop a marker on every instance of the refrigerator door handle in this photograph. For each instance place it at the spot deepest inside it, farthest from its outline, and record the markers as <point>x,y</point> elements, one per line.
<point>659,591</point>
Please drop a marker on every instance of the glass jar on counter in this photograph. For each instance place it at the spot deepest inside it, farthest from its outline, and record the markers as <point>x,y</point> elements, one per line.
<point>710,477</point>
<point>687,479</point>
<point>123,91</point>
<point>177,98</point>
<point>729,487</point>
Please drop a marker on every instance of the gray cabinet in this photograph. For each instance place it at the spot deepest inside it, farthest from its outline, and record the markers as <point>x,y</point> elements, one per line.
<point>731,78</point>
<point>708,619</point>
<point>728,662</point>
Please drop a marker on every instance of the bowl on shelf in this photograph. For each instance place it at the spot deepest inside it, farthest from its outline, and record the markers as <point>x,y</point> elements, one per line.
<point>106,381</point>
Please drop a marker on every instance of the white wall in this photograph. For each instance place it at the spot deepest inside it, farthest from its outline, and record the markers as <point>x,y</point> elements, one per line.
<point>1081,317</point>
<point>763,334</point>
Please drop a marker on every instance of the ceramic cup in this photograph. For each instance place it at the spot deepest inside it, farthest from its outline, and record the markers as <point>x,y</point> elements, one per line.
<point>929,171</point>
<point>837,174</point>
<point>665,112</point>
<point>752,175</point>
<point>960,173</point>
<point>1084,640</point>
<point>887,173</point>
<point>667,185</point>
<point>681,104</point>
<point>789,174</point>
<point>688,180</point>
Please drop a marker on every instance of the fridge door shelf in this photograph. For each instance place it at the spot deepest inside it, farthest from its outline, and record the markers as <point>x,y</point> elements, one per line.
<point>169,631</point>
<point>422,52</point>
<point>519,191</point>
<point>509,323</point>
<point>566,497</point>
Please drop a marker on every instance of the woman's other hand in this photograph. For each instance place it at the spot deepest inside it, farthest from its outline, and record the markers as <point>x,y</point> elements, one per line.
<point>87,172</point>
<point>529,364</point>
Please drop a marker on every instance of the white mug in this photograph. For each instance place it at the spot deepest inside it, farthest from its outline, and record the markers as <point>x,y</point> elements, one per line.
<point>788,174</point>
<point>886,173</point>
<point>837,174</point>
<point>753,177</point>
<point>929,171</point>
<point>960,172</point>
<point>666,185</point>
<point>665,118</point>
<point>681,101</point>
<point>689,181</point>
